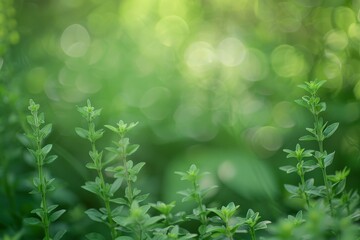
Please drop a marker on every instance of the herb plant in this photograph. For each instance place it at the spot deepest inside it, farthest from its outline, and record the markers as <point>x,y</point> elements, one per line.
<point>46,214</point>
<point>329,210</point>
<point>330,200</point>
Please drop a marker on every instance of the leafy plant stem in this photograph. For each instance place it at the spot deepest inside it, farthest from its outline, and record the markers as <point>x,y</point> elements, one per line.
<point>328,190</point>
<point>323,167</point>
<point>201,206</point>
<point>104,196</point>
<point>128,181</point>
<point>302,177</point>
<point>40,162</point>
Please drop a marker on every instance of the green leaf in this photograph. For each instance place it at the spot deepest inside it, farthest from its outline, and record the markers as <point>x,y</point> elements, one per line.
<point>120,201</point>
<point>50,159</point>
<point>94,236</point>
<point>136,169</point>
<point>340,187</point>
<point>51,208</point>
<point>307,138</point>
<point>30,120</point>
<point>112,128</point>
<point>131,149</point>
<point>82,132</point>
<point>92,187</point>
<point>94,215</point>
<point>124,238</point>
<point>329,130</point>
<point>291,188</point>
<point>261,225</point>
<point>329,159</point>
<point>59,234</point>
<point>302,103</point>
<point>152,220</point>
<point>56,215</point>
<point>46,130</point>
<point>32,221</point>
<point>142,197</point>
<point>45,150</point>
<point>115,186</point>
<point>90,166</point>
<point>288,169</point>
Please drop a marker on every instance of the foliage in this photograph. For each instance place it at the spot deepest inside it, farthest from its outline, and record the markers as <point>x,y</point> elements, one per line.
<point>329,210</point>
<point>330,202</point>
<point>46,214</point>
<point>212,84</point>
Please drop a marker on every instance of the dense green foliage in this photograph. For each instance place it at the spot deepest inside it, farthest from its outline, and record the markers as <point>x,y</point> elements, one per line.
<point>211,83</point>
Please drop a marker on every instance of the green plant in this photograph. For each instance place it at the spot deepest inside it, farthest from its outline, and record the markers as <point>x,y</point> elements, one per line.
<point>135,220</point>
<point>46,214</point>
<point>329,201</point>
<point>225,223</point>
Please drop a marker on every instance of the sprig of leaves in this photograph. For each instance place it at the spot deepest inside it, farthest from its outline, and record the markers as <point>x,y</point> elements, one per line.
<point>332,196</point>
<point>46,213</point>
<point>104,190</point>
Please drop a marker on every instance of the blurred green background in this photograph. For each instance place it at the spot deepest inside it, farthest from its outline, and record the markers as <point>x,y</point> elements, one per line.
<point>211,82</point>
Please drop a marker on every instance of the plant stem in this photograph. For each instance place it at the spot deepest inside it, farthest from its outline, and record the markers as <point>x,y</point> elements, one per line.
<point>323,168</point>
<point>328,190</point>
<point>107,206</point>
<point>104,196</point>
<point>252,233</point>
<point>201,206</point>
<point>40,162</point>
<point>43,202</point>
<point>128,181</point>
<point>305,193</point>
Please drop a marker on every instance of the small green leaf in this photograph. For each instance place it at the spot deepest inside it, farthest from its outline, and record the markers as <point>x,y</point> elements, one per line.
<point>32,221</point>
<point>307,138</point>
<point>92,187</point>
<point>95,236</point>
<point>46,130</point>
<point>120,201</point>
<point>50,159</point>
<point>82,132</point>
<point>94,215</point>
<point>340,187</point>
<point>261,225</point>
<point>329,130</point>
<point>136,169</point>
<point>131,149</point>
<point>329,159</point>
<point>115,186</point>
<point>112,128</point>
<point>56,215</point>
<point>124,238</point>
<point>288,169</point>
<point>45,150</point>
<point>51,208</point>
<point>59,234</point>
<point>302,103</point>
<point>90,166</point>
<point>291,188</point>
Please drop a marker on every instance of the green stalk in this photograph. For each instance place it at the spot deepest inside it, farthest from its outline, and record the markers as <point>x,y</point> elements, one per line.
<point>252,233</point>
<point>228,234</point>
<point>323,168</point>
<point>302,177</point>
<point>104,196</point>
<point>40,162</point>
<point>128,181</point>
<point>201,206</point>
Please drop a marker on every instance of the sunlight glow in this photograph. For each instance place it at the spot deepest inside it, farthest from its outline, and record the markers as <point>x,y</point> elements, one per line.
<point>75,40</point>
